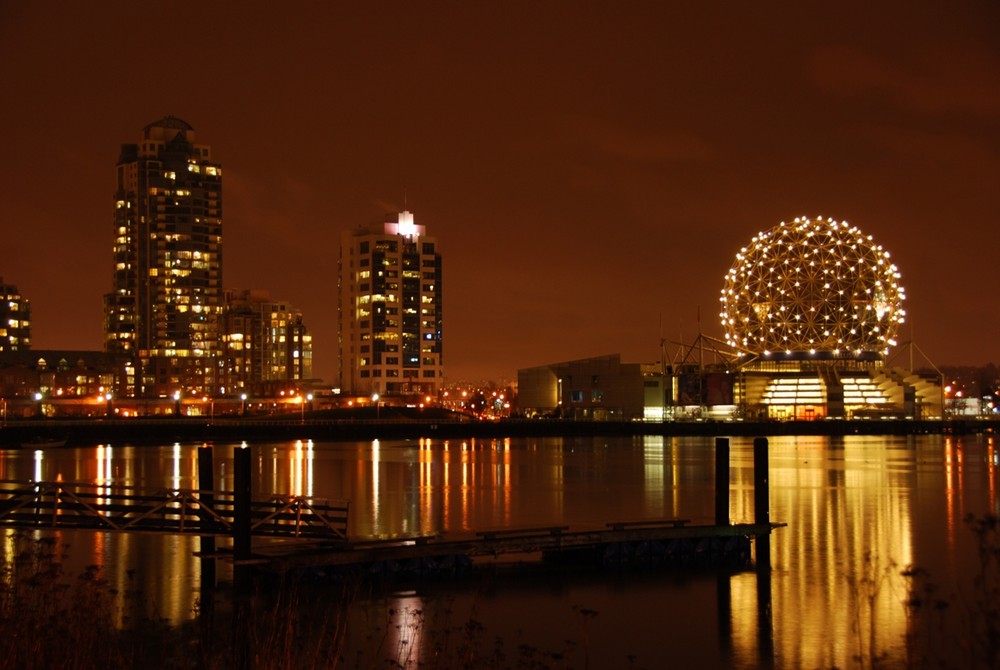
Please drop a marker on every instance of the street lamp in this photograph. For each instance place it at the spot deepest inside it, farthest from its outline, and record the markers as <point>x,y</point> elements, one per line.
<point>243,404</point>
<point>177,403</point>
<point>38,399</point>
<point>376,403</point>
<point>302,406</point>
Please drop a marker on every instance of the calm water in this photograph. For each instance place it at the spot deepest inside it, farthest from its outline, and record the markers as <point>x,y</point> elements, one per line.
<point>859,510</point>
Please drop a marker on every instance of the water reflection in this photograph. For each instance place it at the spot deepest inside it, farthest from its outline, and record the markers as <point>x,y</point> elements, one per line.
<point>859,510</point>
<point>850,520</point>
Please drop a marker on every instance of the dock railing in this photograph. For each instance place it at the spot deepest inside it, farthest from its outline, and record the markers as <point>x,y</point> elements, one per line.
<point>75,505</point>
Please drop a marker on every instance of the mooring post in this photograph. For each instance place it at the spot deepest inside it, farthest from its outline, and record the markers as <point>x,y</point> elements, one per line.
<point>761,502</point>
<point>722,481</point>
<point>761,493</point>
<point>241,554</point>
<point>762,517</point>
<point>241,521</point>
<point>241,503</point>
<point>206,484</point>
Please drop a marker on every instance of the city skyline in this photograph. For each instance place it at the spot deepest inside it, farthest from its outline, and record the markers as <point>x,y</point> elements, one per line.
<point>590,171</point>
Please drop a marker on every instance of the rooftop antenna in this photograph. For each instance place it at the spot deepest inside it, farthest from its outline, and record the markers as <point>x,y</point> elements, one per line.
<point>701,344</point>
<point>911,348</point>
<point>663,350</point>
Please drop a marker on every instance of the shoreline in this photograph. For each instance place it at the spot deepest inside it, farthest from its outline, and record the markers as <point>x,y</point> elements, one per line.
<point>251,429</point>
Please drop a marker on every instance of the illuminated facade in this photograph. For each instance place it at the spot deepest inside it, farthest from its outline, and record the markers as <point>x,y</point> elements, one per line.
<point>812,286</point>
<point>166,299</point>
<point>266,341</point>
<point>15,319</point>
<point>79,380</point>
<point>390,310</point>
<point>811,310</point>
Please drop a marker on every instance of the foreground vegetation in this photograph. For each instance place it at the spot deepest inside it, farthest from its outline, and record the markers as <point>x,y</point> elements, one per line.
<point>54,621</point>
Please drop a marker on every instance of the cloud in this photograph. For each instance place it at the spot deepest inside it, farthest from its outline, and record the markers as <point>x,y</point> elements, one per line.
<point>956,151</point>
<point>674,146</point>
<point>962,80</point>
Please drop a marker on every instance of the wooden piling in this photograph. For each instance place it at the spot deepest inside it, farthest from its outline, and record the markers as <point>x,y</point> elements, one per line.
<point>242,578</point>
<point>206,484</point>
<point>761,502</point>
<point>761,492</point>
<point>762,517</point>
<point>722,481</point>
<point>241,503</point>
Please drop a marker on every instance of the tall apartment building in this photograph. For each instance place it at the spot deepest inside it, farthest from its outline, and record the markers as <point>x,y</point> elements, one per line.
<point>15,319</point>
<point>166,299</point>
<point>390,310</point>
<point>266,342</point>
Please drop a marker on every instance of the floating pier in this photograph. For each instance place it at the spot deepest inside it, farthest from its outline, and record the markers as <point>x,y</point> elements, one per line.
<point>671,542</point>
<point>665,542</point>
<point>311,534</point>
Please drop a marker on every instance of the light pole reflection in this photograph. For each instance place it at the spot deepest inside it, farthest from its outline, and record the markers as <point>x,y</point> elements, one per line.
<point>175,480</point>
<point>301,469</point>
<point>104,468</point>
<point>376,518</point>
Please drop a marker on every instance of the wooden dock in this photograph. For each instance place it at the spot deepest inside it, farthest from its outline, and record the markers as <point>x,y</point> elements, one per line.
<point>316,530</point>
<point>660,542</point>
<point>205,513</point>
<point>650,542</point>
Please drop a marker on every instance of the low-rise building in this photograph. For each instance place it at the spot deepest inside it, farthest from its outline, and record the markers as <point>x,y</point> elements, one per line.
<point>600,388</point>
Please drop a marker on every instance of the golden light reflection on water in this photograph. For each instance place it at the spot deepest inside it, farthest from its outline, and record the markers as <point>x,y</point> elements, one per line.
<point>653,471</point>
<point>859,511</point>
<point>300,471</point>
<point>991,460</point>
<point>837,566</point>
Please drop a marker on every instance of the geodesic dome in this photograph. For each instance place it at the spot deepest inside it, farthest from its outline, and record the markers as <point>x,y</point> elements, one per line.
<point>812,286</point>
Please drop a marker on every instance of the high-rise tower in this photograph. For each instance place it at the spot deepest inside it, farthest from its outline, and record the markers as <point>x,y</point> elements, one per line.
<point>166,293</point>
<point>390,310</point>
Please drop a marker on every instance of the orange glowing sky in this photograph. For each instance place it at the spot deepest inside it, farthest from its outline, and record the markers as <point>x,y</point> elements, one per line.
<point>589,168</point>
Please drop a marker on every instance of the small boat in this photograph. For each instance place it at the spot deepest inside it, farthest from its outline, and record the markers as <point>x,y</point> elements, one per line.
<point>43,442</point>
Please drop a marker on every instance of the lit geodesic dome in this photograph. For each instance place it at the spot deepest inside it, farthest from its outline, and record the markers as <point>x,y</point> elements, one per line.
<point>812,286</point>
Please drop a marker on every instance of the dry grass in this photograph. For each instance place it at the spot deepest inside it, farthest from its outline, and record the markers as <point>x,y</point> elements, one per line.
<point>54,621</point>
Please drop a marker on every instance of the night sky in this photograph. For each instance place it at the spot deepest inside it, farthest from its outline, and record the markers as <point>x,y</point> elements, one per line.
<point>589,168</point>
